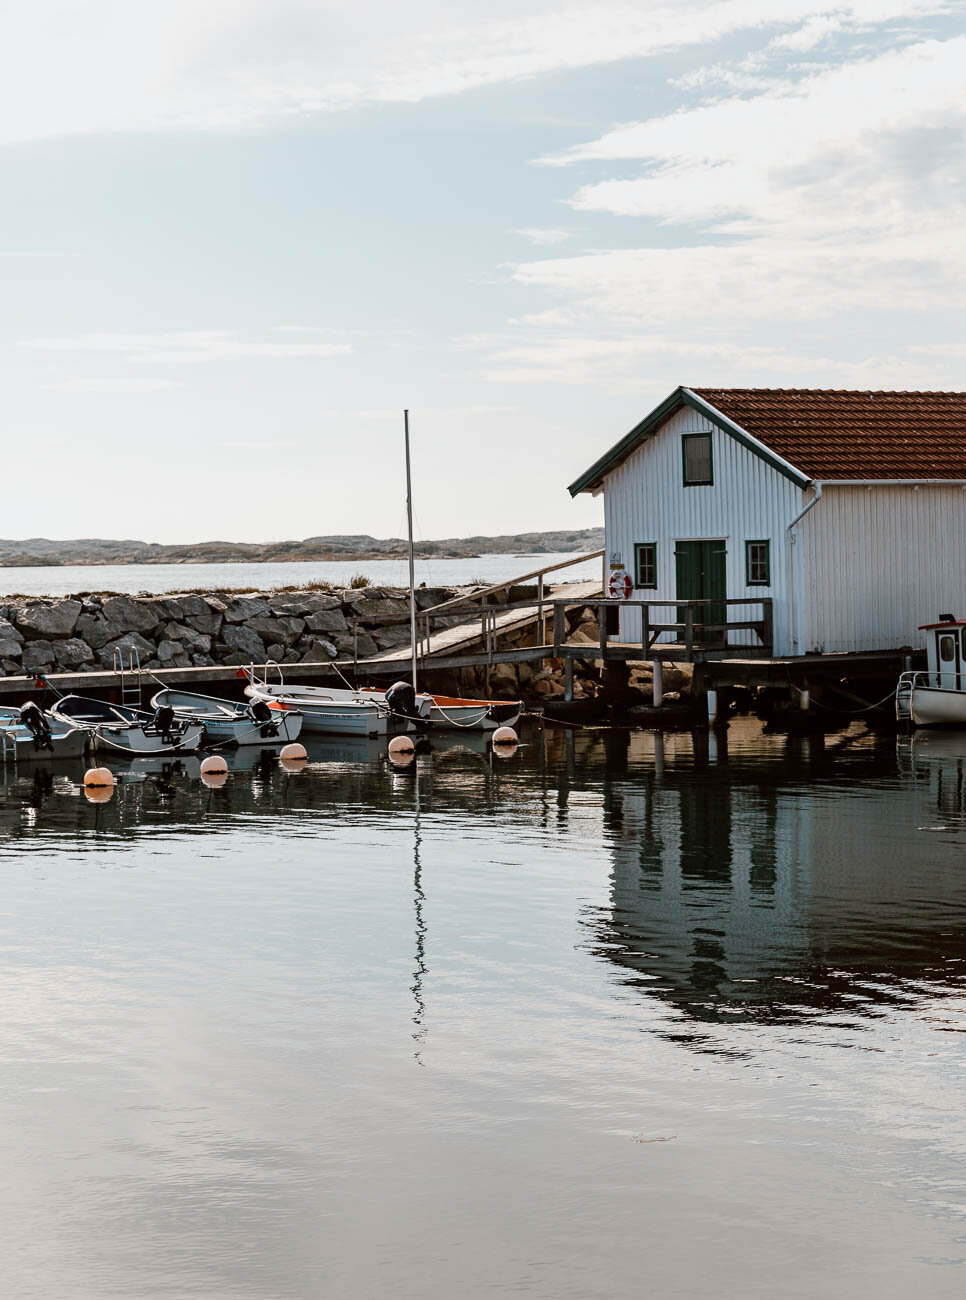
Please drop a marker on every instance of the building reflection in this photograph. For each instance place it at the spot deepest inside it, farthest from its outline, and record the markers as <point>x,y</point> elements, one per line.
<point>793,880</point>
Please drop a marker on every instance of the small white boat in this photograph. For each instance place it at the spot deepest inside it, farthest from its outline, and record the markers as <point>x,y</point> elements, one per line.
<point>228,722</point>
<point>937,697</point>
<point>453,713</point>
<point>118,728</point>
<point>29,735</point>
<point>338,712</point>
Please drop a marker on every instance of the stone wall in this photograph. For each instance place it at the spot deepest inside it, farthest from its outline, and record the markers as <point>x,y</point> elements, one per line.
<point>81,634</point>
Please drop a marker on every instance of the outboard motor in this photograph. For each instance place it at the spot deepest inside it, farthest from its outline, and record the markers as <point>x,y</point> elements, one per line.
<point>401,699</point>
<point>164,723</point>
<point>260,712</point>
<point>38,726</point>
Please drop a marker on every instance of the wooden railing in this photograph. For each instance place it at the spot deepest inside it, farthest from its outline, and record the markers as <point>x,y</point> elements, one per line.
<point>490,612</point>
<point>691,632</point>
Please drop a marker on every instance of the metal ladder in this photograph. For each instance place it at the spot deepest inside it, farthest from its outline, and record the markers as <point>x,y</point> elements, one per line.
<point>129,673</point>
<point>904,697</point>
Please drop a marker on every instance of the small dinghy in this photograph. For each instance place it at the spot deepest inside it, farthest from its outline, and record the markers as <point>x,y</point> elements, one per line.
<point>228,722</point>
<point>336,712</point>
<point>452,713</point>
<point>30,735</point>
<point>118,728</point>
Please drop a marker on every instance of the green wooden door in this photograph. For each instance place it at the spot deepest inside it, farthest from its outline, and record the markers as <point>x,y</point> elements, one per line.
<point>701,575</point>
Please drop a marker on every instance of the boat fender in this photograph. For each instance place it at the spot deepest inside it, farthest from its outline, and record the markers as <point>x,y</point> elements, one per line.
<point>401,699</point>
<point>261,713</point>
<point>38,726</point>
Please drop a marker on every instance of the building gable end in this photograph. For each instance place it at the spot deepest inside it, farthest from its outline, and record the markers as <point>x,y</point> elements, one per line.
<point>652,423</point>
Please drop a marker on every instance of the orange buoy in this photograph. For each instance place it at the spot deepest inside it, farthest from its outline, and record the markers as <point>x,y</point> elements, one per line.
<point>214,771</point>
<point>98,777</point>
<point>98,793</point>
<point>402,751</point>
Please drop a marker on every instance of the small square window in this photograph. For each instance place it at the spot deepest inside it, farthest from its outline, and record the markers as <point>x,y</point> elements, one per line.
<point>645,563</point>
<point>698,469</point>
<point>758,564</point>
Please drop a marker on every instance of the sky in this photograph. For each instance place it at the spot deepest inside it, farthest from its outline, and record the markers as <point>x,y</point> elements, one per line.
<point>237,239</point>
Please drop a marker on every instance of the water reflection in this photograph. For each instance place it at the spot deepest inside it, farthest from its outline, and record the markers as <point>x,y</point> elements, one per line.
<point>788,880</point>
<point>355,1030</point>
<point>753,878</point>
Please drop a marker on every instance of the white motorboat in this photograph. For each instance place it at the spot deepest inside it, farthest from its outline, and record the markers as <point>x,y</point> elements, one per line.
<point>29,735</point>
<point>337,712</point>
<point>118,728</point>
<point>229,722</point>
<point>937,697</point>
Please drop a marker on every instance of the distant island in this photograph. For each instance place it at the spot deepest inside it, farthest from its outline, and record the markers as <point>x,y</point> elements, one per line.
<point>33,552</point>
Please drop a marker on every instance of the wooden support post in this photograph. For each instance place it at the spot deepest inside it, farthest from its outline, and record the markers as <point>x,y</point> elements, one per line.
<point>568,678</point>
<point>602,624</point>
<point>768,626</point>
<point>558,627</point>
<point>689,630</point>
<point>658,682</point>
<point>645,626</point>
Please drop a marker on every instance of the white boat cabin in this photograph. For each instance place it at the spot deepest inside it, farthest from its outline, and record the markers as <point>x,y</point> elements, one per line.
<point>946,653</point>
<point>842,514</point>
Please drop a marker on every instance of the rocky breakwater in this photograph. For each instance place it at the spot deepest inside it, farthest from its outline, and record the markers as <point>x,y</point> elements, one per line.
<point>83,633</point>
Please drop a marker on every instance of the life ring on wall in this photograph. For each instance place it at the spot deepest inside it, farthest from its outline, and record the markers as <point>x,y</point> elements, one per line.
<point>620,586</point>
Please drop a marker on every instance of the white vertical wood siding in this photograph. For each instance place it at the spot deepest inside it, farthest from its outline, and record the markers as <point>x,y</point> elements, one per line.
<point>879,562</point>
<point>645,500</point>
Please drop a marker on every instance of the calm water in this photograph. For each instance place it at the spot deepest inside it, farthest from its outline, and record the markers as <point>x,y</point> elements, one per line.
<point>615,1017</point>
<point>134,578</point>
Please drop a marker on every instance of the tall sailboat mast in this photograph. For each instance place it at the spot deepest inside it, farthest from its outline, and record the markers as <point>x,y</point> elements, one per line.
<point>412,564</point>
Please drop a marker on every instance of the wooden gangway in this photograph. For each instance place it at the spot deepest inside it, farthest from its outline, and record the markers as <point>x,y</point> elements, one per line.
<point>482,617</point>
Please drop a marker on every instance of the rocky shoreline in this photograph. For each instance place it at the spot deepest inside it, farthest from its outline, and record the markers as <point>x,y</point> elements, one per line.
<point>84,633</point>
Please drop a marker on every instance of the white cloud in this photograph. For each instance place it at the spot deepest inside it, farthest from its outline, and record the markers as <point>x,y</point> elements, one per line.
<point>103,66</point>
<point>786,213</point>
<point>186,347</point>
<point>543,236</point>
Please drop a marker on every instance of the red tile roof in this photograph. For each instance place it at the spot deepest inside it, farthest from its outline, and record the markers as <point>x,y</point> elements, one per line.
<point>838,433</point>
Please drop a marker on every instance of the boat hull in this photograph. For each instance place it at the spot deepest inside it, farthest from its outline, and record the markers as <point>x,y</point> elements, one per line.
<point>473,715</point>
<point>17,745</point>
<point>135,741</point>
<point>930,706</point>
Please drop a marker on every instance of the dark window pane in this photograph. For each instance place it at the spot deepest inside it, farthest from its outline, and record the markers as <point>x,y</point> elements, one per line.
<point>947,649</point>
<point>697,459</point>
<point>646,565</point>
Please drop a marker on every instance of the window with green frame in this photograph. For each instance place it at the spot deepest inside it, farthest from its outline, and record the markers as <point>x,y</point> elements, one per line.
<point>698,462</point>
<point>758,563</point>
<point>645,564</point>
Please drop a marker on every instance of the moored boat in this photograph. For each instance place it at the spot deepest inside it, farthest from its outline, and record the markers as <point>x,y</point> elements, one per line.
<point>334,712</point>
<point>118,728</point>
<point>29,735</point>
<point>230,722</point>
<point>937,697</point>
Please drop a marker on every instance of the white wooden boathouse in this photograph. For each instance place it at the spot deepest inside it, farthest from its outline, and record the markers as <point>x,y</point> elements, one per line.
<point>846,510</point>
